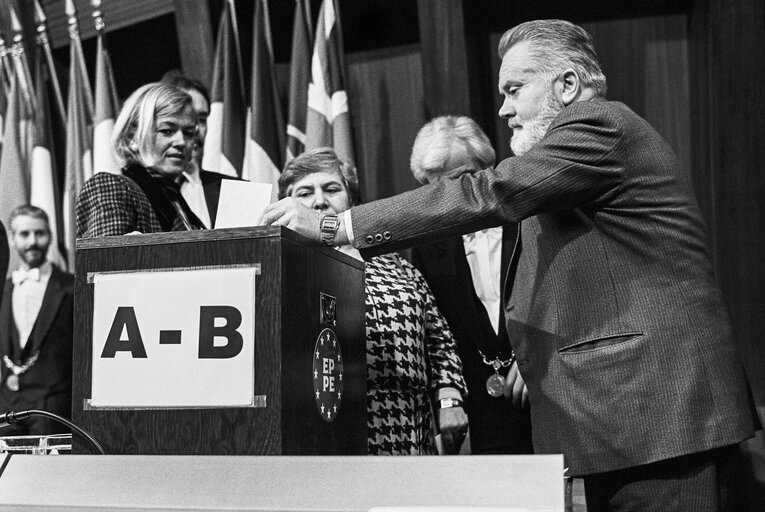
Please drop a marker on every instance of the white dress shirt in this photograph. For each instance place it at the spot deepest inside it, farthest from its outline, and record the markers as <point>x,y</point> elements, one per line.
<point>483,250</point>
<point>27,297</point>
<point>193,192</point>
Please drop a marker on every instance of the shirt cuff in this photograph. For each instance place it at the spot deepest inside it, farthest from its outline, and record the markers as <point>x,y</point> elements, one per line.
<point>348,226</point>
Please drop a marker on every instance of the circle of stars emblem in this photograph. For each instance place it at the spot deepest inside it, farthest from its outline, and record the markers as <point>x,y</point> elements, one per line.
<point>328,375</point>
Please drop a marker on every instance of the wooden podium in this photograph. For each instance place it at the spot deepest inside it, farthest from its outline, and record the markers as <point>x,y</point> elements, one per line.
<point>296,279</point>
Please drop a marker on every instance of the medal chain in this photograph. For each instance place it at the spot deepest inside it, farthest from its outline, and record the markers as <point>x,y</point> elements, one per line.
<point>497,363</point>
<point>18,370</point>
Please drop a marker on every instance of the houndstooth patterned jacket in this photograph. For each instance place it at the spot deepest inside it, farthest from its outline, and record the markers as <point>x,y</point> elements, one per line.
<point>111,204</point>
<point>410,354</point>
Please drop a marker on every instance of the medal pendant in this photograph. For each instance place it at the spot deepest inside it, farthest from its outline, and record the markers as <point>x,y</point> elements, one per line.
<point>12,382</point>
<point>495,385</point>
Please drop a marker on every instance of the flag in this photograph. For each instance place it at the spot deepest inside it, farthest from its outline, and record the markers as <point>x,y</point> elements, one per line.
<point>3,110</point>
<point>265,141</point>
<point>14,170</point>
<point>328,120</point>
<point>300,66</point>
<point>107,109</point>
<point>44,191</point>
<point>79,138</point>
<point>224,144</point>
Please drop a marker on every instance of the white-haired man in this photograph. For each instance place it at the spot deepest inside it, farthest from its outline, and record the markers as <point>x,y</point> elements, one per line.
<point>610,301</point>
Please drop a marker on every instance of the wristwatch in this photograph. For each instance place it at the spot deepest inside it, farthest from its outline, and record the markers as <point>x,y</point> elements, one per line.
<point>445,403</point>
<point>328,224</point>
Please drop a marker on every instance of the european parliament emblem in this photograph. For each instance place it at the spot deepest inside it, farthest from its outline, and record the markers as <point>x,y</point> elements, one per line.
<point>328,375</point>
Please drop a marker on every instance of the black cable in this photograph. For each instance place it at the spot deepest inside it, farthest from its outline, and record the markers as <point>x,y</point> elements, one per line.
<point>14,417</point>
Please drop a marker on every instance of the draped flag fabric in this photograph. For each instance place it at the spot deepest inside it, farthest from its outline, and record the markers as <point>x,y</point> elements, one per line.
<point>224,144</point>
<point>44,190</point>
<point>3,110</point>
<point>14,170</point>
<point>328,120</point>
<point>300,66</point>
<point>107,108</point>
<point>265,141</point>
<point>79,141</point>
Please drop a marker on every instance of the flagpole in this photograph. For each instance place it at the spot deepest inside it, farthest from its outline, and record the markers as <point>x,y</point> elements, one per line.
<point>20,62</point>
<point>42,39</point>
<point>74,37</point>
<point>6,71</point>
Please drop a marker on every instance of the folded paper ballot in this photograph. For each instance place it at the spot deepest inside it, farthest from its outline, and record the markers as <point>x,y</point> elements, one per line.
<point>242,203</point>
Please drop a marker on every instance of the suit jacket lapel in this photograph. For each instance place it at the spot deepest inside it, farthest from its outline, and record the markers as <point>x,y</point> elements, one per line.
<point>6,320</point>
<point>212,196</point>
<point>509,237</point>
<point>52,299</point>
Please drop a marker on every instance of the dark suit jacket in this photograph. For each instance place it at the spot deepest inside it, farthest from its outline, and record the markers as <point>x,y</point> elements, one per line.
<point>495,425</point>
<point>614,314</point>
<point>211,186</point>
<point>47,385</point>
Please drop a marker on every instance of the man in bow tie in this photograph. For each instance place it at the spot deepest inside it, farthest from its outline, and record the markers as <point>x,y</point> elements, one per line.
<point>36,326</point>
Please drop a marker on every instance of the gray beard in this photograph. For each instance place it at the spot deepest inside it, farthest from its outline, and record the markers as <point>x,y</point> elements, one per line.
<point>534,129</point>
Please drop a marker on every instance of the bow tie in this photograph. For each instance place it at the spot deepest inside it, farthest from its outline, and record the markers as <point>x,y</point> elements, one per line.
<point>19,276</point>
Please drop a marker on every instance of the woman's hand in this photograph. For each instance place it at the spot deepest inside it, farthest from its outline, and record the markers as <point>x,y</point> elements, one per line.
<point>453,424</point>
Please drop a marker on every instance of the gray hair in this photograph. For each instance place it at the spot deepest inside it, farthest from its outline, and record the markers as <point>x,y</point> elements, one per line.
<point>320,160</point>
<point>133,134</point>
<point>436,143</point>
<point>557,45</point>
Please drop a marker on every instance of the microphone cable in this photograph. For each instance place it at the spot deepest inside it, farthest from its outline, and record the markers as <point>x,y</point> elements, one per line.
<point>12,417</point>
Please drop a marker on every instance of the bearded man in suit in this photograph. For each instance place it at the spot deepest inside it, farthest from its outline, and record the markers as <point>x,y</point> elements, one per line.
<point>36,329</point>
<point>464,274</point>
<point>610,301</point>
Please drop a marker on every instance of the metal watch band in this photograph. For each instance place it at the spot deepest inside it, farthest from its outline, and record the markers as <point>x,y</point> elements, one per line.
<point>328,225</point>
<point>445,403</point>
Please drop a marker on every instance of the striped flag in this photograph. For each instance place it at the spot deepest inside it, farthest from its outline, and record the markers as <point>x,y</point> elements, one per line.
<point>14,170</point>
<point>44,191</point>
<point>265,141</point>
<point>3,110</point>
<point>224,144</point>
<point>107,109</point>
<point>79,134</point>
<point>328,120</point>
<point>300,65</point>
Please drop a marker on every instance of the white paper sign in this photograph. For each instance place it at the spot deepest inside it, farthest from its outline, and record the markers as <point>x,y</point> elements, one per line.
<point>176,338</point>
<point>242,203</point>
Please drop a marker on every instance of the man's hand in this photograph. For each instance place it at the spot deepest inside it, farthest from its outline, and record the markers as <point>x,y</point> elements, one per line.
<point>515,388</point>
<point>291,213</point>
